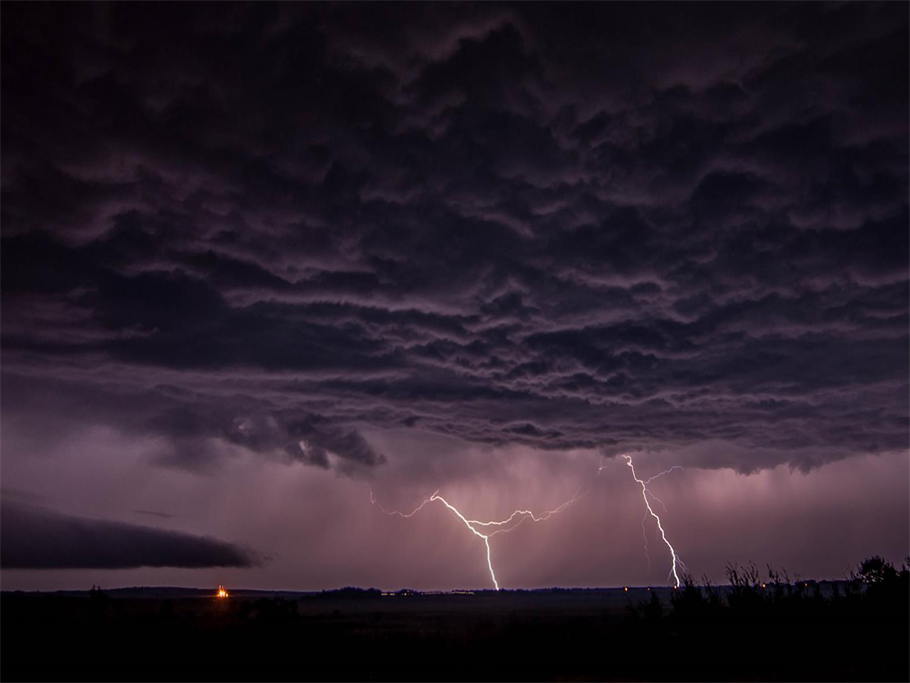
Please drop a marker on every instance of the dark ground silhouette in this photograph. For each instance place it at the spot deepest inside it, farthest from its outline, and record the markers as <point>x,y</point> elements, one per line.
<point>762,626</point>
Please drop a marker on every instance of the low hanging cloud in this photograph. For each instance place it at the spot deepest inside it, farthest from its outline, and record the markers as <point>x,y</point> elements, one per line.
<point>40,538</point>
<point>452,219</point>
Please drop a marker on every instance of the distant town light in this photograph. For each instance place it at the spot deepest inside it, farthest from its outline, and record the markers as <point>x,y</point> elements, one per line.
<point>222,593</point>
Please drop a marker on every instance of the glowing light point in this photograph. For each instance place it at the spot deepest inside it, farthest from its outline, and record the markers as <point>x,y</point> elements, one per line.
<point>221,593</point>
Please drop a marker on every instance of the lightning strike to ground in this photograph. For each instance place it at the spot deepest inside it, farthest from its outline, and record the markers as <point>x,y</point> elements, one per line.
<point>644,494</point>
<point>472,524</point>
<point>502,526</point>
<point>644,530</point>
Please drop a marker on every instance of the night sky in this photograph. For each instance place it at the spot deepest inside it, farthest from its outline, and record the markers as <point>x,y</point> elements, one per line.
<point>258,260</point>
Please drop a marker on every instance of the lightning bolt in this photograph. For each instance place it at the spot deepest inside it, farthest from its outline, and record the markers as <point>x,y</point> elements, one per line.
<point>644,494</point>
<point>485,530</point>
<point>396,513</point>
<point>659,475</point>
<point>644,531</point>
<point>473,524</point>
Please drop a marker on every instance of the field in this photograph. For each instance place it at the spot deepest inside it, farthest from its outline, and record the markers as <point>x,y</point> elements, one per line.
<point>752,631</point>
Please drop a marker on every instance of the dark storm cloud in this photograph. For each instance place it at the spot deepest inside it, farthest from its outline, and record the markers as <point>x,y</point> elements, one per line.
<point>617,227</point>
<point>40,538</point>
<point>153,513</point>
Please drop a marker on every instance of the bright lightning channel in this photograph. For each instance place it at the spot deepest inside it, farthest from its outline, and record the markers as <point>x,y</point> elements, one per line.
<point>644,530</point>
<point>644,494</point>
<point>472,524</point>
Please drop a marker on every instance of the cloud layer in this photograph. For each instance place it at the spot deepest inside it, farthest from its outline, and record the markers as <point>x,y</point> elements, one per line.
<point>622,227</point>
<point>40,538</point>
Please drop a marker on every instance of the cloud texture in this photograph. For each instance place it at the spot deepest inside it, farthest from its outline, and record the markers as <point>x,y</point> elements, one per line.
<point>618,227</point>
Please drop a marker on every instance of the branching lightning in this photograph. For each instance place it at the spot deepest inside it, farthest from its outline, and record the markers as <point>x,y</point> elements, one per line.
<point>660,474</point>
<point>485,530</point>
<point>502,526</point>
<point>644,530</point>
<point>644,494</point>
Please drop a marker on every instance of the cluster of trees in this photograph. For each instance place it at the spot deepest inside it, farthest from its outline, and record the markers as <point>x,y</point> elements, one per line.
<point>875,589</point>
<point>350,593</point>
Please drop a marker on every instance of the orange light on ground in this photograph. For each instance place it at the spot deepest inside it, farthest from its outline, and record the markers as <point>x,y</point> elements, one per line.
<point>222,593</point>
<point>626,589</point>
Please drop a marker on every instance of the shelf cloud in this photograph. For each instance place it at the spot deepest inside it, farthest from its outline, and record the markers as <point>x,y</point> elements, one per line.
<point>40,538</point>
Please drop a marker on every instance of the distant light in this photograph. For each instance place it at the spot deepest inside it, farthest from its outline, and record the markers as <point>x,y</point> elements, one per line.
<point>222,593</point>
<point>626,589</point>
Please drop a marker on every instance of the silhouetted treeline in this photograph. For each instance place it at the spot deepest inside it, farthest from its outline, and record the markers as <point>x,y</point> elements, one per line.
<point>875,590</point>
<point>762,626</point>
<point>351,593</point>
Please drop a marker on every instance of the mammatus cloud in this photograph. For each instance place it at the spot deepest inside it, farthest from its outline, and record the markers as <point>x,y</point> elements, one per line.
<point>483,231</point>
<point>39,538</point>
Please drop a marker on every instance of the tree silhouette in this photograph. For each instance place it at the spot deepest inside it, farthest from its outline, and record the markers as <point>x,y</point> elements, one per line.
<point>876,570</point>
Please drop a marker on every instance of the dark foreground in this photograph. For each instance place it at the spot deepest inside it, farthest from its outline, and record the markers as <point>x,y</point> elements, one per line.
<point>780,631</point>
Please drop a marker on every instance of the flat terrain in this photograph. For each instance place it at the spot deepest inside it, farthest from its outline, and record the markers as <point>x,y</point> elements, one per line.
<point>162,634</point>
